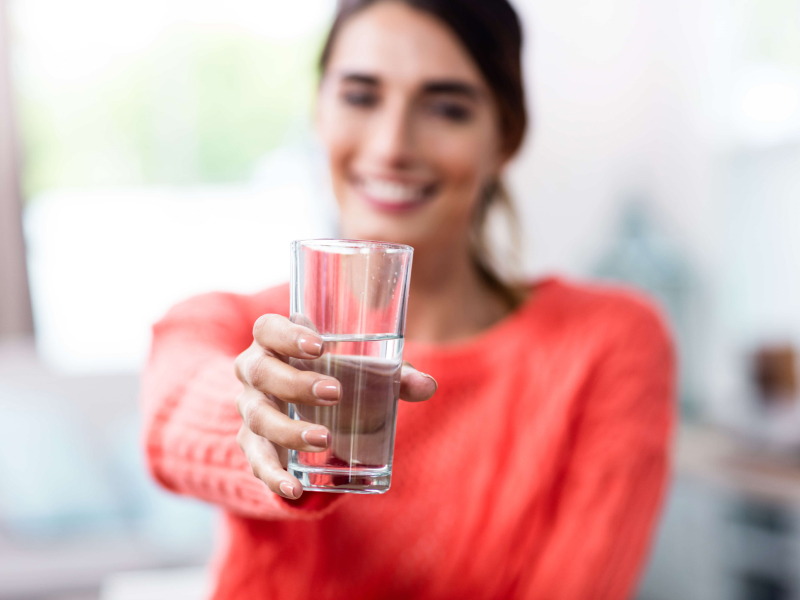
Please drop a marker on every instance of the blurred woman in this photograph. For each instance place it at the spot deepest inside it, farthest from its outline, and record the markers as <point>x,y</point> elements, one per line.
<point>537,469</point>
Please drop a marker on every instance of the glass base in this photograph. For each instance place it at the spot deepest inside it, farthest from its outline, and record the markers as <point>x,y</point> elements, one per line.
<point>343,481</point>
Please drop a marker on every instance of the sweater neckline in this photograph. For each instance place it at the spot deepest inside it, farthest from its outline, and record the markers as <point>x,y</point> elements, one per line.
<point>486,339</point>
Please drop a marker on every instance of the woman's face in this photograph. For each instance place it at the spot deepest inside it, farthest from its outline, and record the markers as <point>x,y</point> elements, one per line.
<point>410,127</point>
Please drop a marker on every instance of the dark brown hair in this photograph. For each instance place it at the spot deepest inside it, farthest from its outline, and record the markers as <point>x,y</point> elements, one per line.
<point>491,33</point>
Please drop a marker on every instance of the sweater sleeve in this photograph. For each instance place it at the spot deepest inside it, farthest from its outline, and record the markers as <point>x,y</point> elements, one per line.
<point>616,473</point>
<point>190,420</point>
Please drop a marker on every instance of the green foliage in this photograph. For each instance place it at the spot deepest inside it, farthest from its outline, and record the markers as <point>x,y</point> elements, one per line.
<point>201,105</point>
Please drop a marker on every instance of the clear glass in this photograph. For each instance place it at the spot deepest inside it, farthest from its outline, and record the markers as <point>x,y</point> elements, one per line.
<point>354,294</point>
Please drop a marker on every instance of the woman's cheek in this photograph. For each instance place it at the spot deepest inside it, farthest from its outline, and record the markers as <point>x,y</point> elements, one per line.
<point>462,164</point>
<point>341,143</point>
<point>340,129</point>
<point>459,151</point>
<point>339,137</point>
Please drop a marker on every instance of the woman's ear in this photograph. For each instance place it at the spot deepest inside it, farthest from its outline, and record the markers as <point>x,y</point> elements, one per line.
<point>502,164</point>
<point>504,156</point>
<point>316,108</point>
<point>321,100</point>
<point>318,103</point>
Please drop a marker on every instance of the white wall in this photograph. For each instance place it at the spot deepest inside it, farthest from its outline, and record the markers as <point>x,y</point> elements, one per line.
<point>648,97</point>
<point>618,95</point>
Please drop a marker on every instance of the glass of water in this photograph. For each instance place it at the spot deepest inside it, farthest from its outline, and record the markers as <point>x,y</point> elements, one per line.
<point>354,295</point>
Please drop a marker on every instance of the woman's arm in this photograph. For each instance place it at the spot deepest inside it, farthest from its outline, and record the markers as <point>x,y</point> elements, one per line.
<point>189,391</point>
<point>617,473</point>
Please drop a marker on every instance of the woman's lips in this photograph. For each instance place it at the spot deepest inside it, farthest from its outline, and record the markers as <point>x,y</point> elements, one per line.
<point>392,195</point>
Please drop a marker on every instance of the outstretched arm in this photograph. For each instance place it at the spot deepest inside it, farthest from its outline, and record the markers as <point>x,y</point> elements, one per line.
<point>189,392</point>
<point>211,393</point>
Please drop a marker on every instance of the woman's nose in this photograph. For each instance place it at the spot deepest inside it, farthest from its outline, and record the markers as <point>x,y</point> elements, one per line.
<point>390,139</point>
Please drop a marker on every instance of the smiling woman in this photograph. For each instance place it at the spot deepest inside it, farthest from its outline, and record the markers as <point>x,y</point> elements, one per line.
<point>537,469</point>
<point>408,117</point>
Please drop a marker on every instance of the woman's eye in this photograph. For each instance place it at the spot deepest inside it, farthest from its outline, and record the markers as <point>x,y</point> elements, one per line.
<point>363,99</point>
<point>451,111</point>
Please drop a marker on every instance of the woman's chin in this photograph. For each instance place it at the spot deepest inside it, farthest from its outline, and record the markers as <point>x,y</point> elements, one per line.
<point>366,225</point>
<point>391,236</point>
<point>380,235</point>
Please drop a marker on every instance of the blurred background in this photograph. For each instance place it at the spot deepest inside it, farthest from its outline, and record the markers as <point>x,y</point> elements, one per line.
<point>146,147</point>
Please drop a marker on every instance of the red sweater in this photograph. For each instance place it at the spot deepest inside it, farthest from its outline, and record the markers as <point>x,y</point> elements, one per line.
<point>535,472</point>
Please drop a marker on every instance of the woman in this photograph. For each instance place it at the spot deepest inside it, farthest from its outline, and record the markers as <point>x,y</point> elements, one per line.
<point>538,468</point>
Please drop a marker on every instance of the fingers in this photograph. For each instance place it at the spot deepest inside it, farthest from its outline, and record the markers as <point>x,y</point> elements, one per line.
<point>272,376</point>
<point>414,385</point>
<point>262,416</point>
<point>266,465</point>
<point>278,335</point>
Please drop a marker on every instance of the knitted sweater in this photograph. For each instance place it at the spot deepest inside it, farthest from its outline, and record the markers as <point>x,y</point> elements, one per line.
<point>535,472</point>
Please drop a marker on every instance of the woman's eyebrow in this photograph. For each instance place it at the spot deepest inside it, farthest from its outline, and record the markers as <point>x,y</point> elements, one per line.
<point>457,87</point>
<point>439,86</point>
<point>362,78</point>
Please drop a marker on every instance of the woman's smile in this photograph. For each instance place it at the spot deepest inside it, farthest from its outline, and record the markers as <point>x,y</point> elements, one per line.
<point>392,193</point>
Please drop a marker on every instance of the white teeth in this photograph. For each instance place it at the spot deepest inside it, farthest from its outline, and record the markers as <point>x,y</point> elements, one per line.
<point>391,191</point>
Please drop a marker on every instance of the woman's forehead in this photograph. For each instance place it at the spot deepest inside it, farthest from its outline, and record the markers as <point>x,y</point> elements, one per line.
<point>394,42</point>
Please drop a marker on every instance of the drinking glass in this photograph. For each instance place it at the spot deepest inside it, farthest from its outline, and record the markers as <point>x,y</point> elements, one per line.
<point>353,294</point>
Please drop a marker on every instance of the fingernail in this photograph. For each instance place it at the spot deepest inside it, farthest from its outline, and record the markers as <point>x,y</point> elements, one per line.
<point>325,389</point>
<point>436,383</point>
<point>287,490</point>
<point>319,438</point>
<point>310,345</point>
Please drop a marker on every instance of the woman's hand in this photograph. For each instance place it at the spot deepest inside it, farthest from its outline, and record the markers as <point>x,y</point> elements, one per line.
<point>270,383</point>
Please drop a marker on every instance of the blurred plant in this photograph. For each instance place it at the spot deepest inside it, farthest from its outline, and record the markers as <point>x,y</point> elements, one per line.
<point>201,104</point>
<point>642,254</point>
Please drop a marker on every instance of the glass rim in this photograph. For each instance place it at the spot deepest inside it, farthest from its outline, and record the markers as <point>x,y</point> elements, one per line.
<point>334,243</point>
